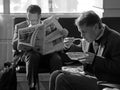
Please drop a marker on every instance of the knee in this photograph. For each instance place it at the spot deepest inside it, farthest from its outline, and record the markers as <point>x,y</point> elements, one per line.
<point>33,54</point>
<point>32,58</point>
<point>55,74</point>
<point>56,60</point>
<point>56,56</point>
<point>61,79</point>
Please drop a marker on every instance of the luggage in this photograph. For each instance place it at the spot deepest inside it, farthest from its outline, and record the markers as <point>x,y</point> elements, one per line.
<point>8,79</point>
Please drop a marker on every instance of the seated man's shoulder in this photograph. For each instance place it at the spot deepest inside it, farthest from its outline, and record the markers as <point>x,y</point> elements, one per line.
<point>22,24</point>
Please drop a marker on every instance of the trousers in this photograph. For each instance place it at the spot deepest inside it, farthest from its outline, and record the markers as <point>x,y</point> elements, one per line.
<point>34,61</point>
<point>62,80</point>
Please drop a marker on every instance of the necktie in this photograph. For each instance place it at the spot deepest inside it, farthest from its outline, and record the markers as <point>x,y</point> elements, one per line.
<point>95,46</point>
<point>91,49</point>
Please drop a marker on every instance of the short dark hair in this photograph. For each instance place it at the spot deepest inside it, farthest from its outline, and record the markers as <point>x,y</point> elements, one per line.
<point>88,18</point>
<point>34,9</point>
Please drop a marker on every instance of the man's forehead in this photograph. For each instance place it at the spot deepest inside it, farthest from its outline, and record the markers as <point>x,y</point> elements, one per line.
<point>32,16</point>
<point>83,27</point>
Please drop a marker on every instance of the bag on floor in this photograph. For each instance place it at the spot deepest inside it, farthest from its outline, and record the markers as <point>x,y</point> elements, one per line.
<point>8,79</point>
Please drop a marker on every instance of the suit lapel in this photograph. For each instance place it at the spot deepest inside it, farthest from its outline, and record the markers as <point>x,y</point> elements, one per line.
<point>103,41</point>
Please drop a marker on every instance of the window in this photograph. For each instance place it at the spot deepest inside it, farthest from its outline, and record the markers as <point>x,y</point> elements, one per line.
<point>54,6</point>
<point>20,6</point>
<point>72,6</point>
<point>1,6</point>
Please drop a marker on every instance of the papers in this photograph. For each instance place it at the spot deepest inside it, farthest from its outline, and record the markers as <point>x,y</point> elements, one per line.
<point>27,37</point>
<point>45,38</point>
<point>76,55</point>
<point>74,69</point>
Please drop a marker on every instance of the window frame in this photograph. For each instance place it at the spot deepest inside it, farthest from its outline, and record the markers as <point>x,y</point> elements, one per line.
<point>6,10</point>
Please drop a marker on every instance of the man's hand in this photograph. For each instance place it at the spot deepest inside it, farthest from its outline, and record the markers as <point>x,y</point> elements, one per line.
<point>64,32</point>
<point>88,59</point>
<point>68,42</point>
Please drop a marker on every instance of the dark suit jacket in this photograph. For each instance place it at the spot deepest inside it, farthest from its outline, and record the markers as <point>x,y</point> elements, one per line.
<point>106,65</point>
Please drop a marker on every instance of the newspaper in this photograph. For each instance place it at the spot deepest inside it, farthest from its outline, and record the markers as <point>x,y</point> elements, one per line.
<point>45,38</point>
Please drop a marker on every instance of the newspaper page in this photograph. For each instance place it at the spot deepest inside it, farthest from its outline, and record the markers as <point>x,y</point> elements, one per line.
<point>45,38</point>
<point>27,37</point>
<point>53,38</point>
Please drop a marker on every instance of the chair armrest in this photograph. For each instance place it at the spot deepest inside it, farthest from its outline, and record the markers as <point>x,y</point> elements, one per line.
<point>107,84</point>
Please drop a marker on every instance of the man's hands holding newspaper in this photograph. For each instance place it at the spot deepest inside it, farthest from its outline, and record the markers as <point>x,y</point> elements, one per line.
<point>64,32</point>
<point>88,59</point>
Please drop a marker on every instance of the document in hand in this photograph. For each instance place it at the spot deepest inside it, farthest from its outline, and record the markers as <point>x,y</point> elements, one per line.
<point>45,38</point>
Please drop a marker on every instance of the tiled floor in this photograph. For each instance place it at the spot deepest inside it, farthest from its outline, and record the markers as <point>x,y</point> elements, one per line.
<point>22,81</point>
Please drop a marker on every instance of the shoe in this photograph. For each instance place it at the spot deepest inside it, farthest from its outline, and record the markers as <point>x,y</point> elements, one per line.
<point>32,88</point>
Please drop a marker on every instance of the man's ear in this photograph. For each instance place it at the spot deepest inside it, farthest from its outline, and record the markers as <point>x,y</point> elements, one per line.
<point>40,16</point>
<point>96,26</point>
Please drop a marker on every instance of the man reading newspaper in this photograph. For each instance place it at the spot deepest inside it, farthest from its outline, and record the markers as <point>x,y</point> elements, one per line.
<point>44,38</point>
<point>34,41</point>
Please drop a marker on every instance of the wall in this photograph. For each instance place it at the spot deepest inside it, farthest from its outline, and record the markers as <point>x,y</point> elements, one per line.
<point>111,8</point>
<point>6,26</point>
